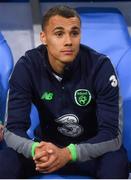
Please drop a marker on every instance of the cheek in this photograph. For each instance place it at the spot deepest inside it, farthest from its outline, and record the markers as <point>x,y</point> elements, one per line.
<point>78,45</point>
<point>52,41</point>
<point>53,49</point>
<point>77,42</point>
<point>54,45</point>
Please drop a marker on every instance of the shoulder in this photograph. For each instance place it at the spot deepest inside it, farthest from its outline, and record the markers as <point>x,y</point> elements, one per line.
<point>34,55</point>
<point>32,59</point>
<point>92,57</point>
<point>30,64</point>
<point>38,51</point>
<point>91,53</point>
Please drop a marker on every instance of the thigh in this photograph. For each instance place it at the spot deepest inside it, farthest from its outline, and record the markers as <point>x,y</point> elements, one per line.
<point>113,165</point>
<point>14,165</point>
<point>85,169</point>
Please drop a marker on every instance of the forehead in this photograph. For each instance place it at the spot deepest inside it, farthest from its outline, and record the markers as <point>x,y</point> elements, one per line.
<point>65,23</point>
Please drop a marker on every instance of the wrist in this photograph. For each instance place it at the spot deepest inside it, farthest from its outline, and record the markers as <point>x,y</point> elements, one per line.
<point>68,154</point>
<point>34,145</point>
<point>73,153</point>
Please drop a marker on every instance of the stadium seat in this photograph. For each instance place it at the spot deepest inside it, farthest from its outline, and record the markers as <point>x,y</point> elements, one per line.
<point>34,122</point>
<point>6,66</point>
<point>105,30</point>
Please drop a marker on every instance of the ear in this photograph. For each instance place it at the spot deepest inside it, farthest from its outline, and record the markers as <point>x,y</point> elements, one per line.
<point>43,37</point>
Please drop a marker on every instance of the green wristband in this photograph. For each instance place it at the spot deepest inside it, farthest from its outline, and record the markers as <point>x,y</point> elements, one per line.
<point>34,145</point>
<point>72,150</point>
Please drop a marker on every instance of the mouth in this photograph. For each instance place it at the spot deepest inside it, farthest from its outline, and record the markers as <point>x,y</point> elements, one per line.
<point>68,52</point>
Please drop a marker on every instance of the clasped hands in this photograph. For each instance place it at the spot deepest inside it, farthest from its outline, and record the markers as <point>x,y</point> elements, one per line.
<point>49,158</point>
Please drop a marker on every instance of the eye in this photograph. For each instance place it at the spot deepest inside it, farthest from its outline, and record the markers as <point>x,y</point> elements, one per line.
<point>59,34</point>
<point>75,33</point>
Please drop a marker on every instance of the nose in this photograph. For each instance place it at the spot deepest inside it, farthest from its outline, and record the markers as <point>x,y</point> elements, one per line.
<point>68,41</point>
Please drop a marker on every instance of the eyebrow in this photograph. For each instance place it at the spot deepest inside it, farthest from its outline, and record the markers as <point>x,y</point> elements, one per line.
<point>61,28</point>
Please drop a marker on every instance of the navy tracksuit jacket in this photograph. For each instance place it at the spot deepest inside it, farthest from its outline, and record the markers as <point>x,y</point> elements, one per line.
<point>80,107</point>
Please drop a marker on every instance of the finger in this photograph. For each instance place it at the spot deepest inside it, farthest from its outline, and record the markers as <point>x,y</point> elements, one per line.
<point>50,169</point>
<point>41,144</point>
<point>47,164</point>
<point>41,160</point>
<point>40,165</point>
<point>54,168</point>
<point>43,153</point>
<point>39,155</point>
<point>50,151</point>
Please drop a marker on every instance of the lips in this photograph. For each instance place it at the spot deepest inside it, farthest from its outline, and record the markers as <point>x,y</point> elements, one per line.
<point>67,52</point>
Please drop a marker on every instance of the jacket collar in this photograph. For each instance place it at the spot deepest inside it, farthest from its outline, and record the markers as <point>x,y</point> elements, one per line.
<point>69,68</point>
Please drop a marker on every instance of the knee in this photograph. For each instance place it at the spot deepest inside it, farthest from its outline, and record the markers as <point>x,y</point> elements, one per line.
<point>9,164</point>
<point>114,165</point>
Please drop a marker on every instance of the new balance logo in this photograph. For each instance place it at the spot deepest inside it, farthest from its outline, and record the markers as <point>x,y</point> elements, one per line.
<point>48,96</point>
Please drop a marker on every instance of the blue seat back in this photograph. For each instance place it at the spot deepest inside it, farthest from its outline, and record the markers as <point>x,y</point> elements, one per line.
<point>105,30</point>
<point>34,116</point>
<point>6,66</point>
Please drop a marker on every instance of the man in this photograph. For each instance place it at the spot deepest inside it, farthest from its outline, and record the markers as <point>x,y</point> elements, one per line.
<point>75,90</point>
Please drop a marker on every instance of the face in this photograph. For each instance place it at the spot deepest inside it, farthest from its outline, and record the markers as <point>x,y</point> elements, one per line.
<point>62,37</point>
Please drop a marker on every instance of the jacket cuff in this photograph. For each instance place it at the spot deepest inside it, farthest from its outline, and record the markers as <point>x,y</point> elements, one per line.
<point>72,149</point>
<point>34,145</point>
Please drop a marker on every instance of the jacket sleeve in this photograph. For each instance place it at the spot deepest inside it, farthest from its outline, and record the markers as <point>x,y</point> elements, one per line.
<point>18,109</point>
<point>108,112</point>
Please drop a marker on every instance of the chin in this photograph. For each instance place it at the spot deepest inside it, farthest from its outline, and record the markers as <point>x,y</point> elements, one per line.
<point>68,61</point>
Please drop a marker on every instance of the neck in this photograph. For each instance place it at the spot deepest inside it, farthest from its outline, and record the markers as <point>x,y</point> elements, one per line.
<point>57,66</point>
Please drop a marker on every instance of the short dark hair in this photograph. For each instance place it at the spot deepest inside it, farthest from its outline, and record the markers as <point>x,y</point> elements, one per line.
<point>61,10</point>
